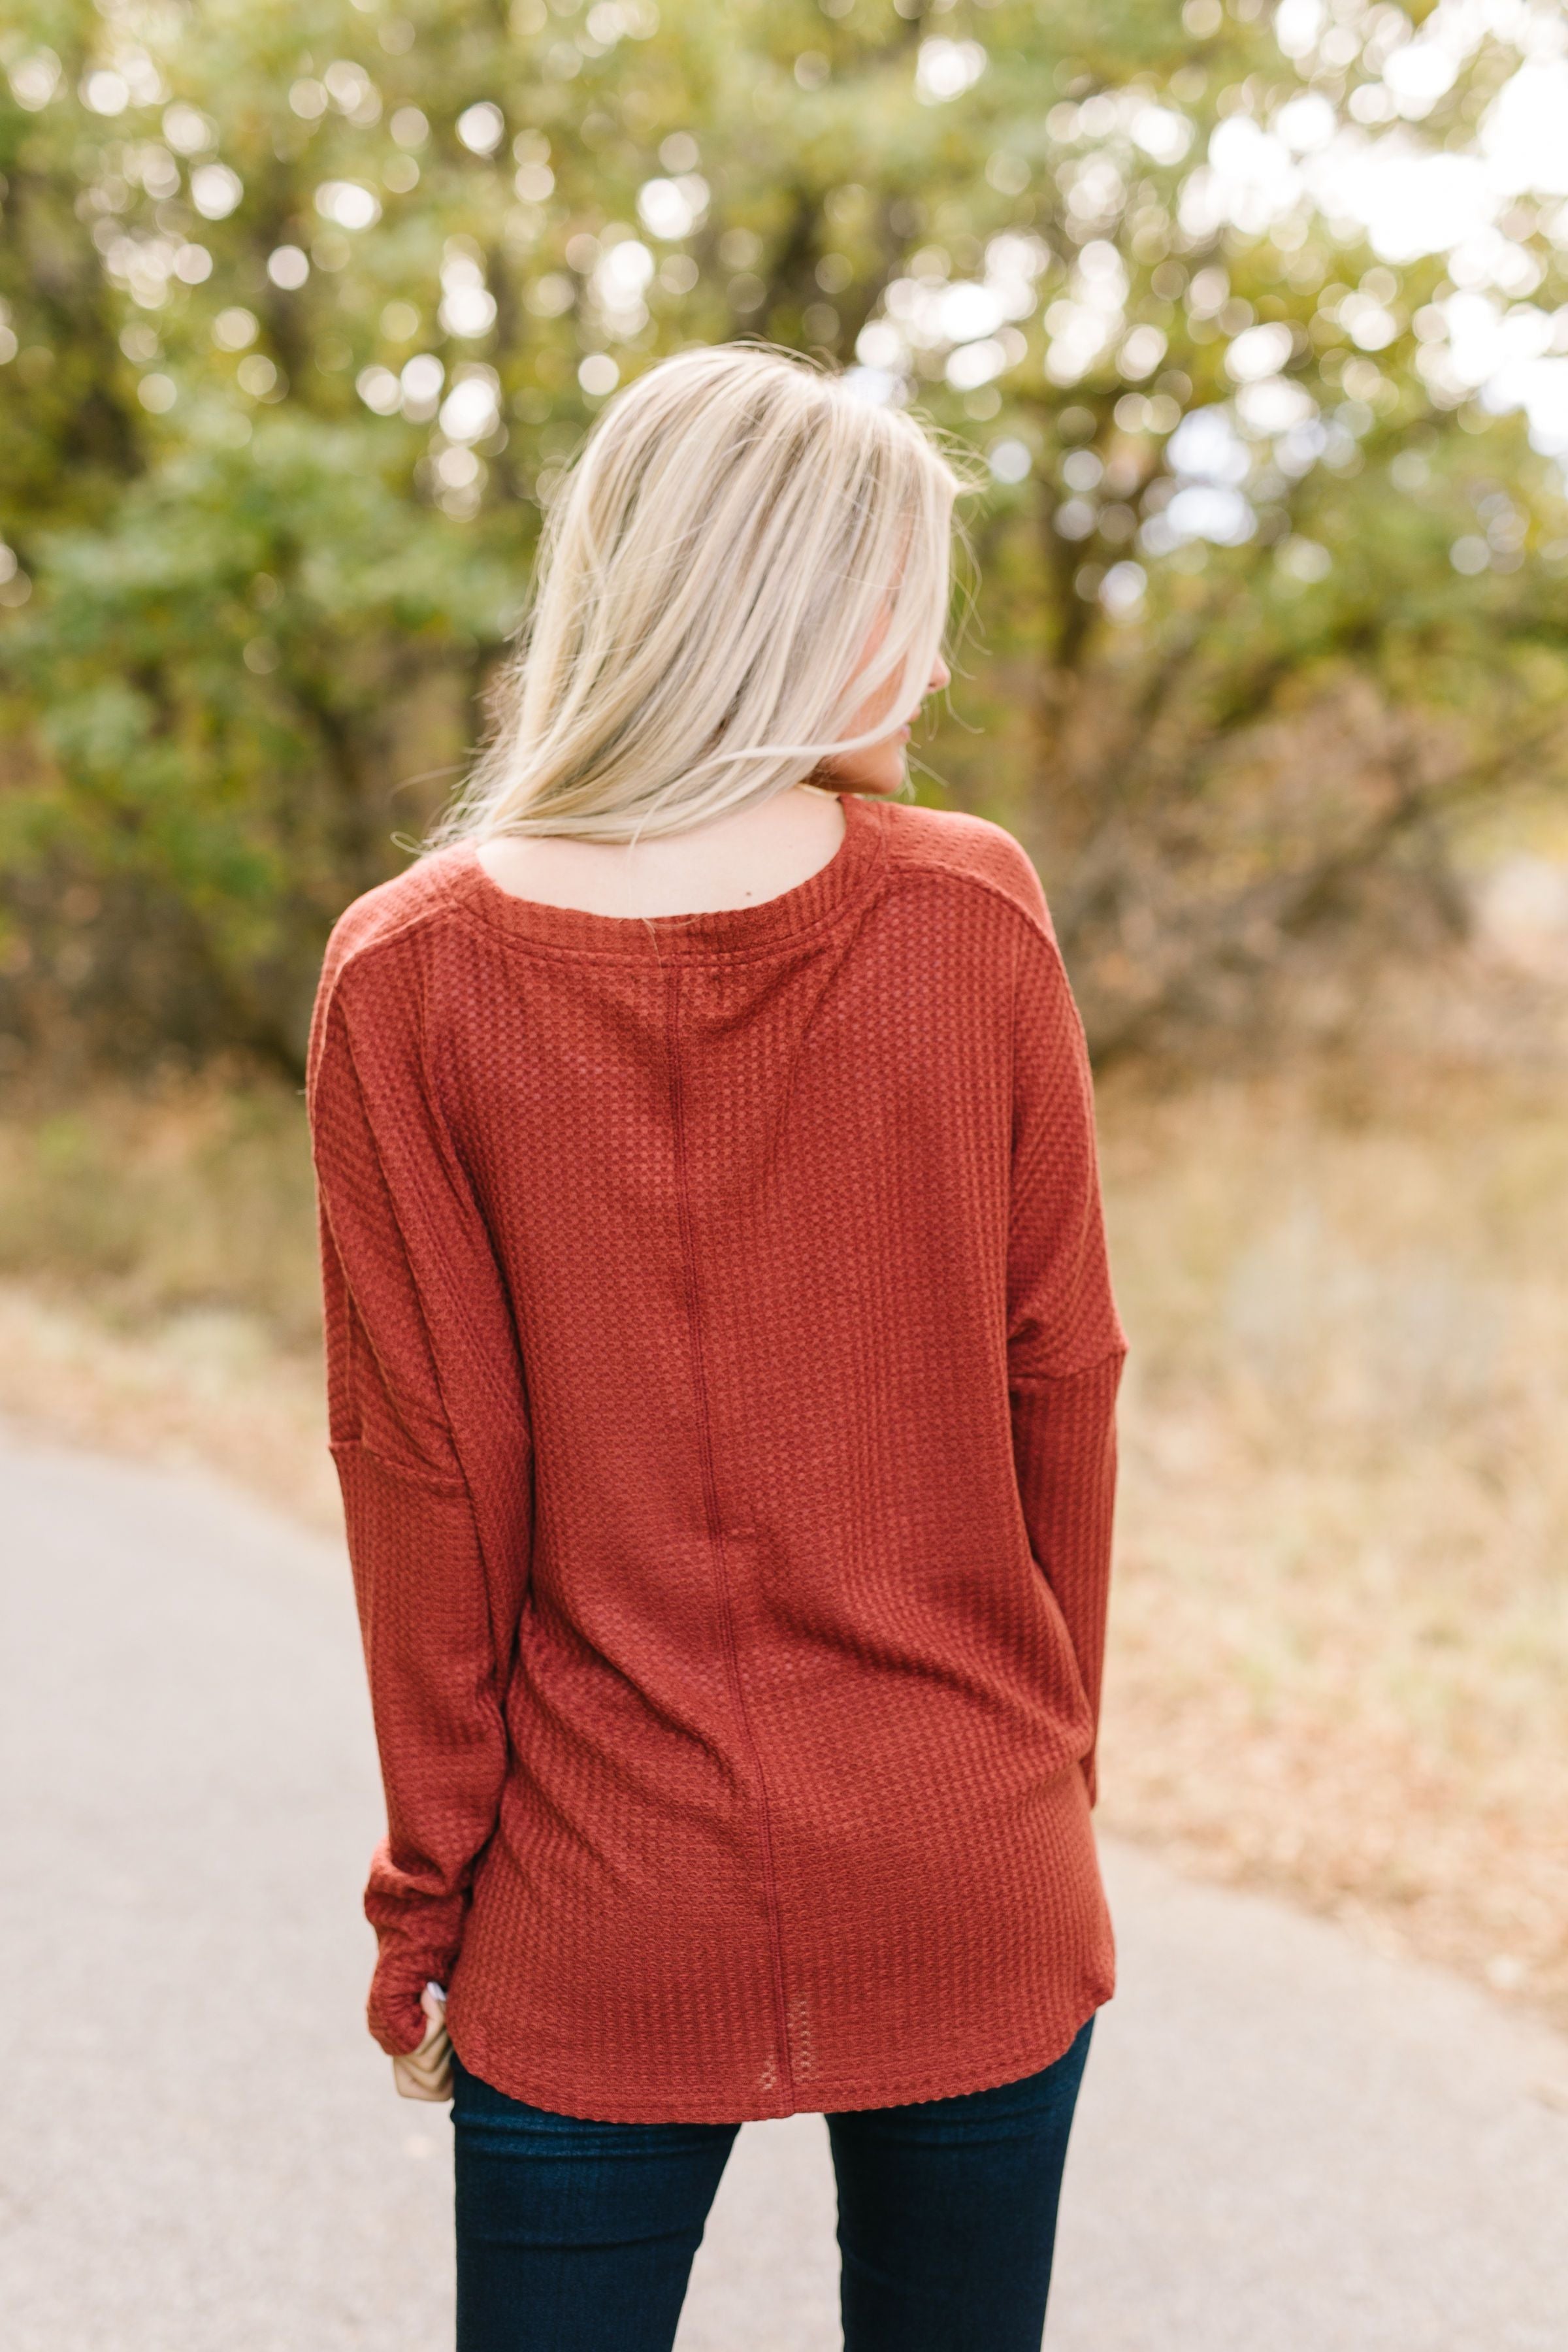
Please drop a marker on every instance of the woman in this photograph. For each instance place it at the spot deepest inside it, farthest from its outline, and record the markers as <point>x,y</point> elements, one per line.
<point>721,1370</point>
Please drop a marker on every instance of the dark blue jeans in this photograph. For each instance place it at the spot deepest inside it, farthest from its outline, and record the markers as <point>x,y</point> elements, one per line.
<point>579,2237</point>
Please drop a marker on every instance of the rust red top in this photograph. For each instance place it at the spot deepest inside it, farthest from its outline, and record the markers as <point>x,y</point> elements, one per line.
<point>721,1368</point>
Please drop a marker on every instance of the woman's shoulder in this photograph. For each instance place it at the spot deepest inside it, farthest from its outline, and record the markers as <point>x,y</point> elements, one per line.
<point>395,912</point>
<point>377,970</point>
<point>980,857</point>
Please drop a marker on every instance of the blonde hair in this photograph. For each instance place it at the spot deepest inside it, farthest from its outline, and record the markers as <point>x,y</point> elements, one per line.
<point>737,526</point>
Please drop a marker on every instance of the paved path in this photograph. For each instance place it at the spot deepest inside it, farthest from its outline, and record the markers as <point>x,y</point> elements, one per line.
<point>1285,2144</point>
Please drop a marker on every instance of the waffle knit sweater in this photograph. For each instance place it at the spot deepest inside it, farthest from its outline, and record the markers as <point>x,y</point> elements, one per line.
<point>722,1367</point>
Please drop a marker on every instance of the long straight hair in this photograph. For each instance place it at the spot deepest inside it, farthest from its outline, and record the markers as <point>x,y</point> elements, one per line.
<point>743,555</point>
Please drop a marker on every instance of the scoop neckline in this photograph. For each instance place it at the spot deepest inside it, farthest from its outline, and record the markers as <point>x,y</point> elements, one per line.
<point>767,922</point>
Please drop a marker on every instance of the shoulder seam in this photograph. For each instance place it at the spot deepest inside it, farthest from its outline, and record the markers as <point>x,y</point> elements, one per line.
<point>404,928</point>
<point>912,871</point>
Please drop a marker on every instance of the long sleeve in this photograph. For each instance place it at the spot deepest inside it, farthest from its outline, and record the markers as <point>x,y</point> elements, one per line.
<point>1064,1340</point>
<point>428,1428</point>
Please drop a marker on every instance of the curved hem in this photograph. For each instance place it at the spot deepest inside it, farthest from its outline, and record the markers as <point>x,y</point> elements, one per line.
<point>855,2094</point>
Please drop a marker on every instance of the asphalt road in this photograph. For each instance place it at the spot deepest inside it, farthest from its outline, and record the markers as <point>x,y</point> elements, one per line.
<point>1286,2143</point>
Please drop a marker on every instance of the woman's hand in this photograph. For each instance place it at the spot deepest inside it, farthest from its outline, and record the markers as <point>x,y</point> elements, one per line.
<point>427,2072</point>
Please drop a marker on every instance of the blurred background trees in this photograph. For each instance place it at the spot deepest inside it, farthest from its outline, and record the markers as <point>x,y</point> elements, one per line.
<point>1256,315</point>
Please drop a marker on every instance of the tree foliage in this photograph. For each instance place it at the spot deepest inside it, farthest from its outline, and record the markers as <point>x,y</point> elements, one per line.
<point>305,308</point>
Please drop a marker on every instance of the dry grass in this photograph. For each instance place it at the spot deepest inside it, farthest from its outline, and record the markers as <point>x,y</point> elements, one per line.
<point>191,1196</point>
<point>158,1281</point>
<point>207,1392</point>
<point>1340,1639</point>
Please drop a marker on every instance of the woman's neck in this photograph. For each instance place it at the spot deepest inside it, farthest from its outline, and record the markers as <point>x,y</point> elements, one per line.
<point>739,860</point>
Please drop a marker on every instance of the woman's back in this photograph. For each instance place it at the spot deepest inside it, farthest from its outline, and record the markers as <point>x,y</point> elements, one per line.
<point>722,1361</point>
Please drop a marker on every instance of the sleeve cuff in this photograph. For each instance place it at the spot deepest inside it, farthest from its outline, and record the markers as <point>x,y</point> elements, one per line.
<point>392,2011</point>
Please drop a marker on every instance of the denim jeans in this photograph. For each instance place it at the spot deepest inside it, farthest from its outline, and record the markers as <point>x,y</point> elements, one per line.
<point>579,2237</point>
